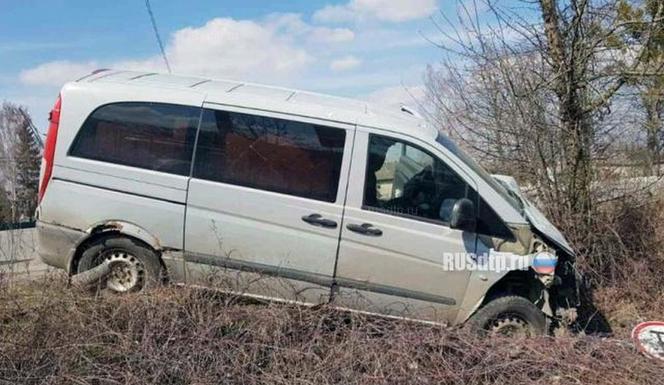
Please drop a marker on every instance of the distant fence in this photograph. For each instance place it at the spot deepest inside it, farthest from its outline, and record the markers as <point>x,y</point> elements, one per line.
<point>18,250</point>
<point>17,225</point>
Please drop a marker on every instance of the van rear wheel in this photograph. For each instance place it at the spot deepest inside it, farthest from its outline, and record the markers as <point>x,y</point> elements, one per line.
<point>134,265</point>
<point>511,316</point>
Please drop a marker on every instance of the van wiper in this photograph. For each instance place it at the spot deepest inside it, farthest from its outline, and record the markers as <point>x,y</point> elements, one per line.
<point>517,198</point>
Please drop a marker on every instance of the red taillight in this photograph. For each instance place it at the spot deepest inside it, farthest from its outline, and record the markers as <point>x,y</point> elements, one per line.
<point>49,147</point>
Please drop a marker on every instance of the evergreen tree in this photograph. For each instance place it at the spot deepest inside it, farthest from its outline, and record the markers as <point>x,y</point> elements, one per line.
<point>5,207</point>
<point>27,159</point>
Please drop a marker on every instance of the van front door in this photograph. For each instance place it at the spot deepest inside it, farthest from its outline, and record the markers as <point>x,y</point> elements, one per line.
<point>265,204</point>
<point>395,235</point>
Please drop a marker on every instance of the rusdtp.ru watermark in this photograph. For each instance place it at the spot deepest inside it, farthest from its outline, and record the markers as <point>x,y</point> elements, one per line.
<point>497,261</point>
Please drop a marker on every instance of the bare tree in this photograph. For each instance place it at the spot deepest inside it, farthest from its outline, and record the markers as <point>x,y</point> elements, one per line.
<point>650,87</point>
<point>534,94</point>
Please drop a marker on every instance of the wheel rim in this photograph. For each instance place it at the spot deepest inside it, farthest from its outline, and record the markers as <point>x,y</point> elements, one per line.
<point>127,271</point>
<point>509,325</point>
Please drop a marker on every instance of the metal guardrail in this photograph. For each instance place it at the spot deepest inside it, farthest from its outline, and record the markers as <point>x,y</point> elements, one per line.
<point>17,225</point>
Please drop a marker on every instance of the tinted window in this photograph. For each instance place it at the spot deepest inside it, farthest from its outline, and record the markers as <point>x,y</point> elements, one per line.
<point>271,154</point>
<point>152,136</point>
<point>404,180</point>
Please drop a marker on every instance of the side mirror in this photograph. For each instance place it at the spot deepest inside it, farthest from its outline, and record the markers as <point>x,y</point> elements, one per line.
<point>463,215</point>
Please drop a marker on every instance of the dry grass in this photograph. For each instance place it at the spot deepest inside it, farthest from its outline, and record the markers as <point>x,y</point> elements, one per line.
<point>623,312</point>
<point>623,255</point>
<point>52,335</point>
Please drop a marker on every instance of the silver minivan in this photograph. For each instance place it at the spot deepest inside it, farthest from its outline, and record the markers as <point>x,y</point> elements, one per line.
<point>291,196</point>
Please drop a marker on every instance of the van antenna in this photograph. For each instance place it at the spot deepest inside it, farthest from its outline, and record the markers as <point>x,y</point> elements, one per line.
<point>410,111</point>
<point>156,33</point>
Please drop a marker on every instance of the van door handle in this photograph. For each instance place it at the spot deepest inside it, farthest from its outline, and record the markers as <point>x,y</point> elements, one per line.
<point>365,229</point>
<point>318,220</point>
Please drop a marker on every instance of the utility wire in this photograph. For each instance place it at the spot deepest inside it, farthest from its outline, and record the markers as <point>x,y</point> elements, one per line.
<point>156,33</point>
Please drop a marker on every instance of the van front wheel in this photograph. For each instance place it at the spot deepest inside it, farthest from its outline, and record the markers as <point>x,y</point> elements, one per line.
<point>134,266</point>
<point>509,316</point>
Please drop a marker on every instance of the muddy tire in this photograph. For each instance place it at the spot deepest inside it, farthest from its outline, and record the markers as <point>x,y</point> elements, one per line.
<point>508,316</point>
<point>135,266</point>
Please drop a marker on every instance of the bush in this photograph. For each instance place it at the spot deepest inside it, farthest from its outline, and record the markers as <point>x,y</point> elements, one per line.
<point>51,335</point>
<point>622,255</point>
<point>624,247</point>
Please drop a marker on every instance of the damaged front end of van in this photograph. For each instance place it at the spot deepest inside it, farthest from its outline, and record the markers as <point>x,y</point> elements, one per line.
<point>538,265</point>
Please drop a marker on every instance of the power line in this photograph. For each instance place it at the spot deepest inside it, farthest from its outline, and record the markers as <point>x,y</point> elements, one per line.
<point>156,33</point>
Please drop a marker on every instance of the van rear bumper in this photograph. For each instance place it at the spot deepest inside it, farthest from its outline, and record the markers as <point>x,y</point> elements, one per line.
<point>56,244</point>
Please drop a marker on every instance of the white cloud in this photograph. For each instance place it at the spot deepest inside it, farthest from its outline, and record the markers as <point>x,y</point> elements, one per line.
<point>395,97</point>
<point>56,73</point>
<point>331,35</point>
<point>334,14</point>
<point>277,46</point>
<point>383,10</point>
<point>291,24</point>
<point>345,64</point>
<point>223,47</point>
<point>231,48</point>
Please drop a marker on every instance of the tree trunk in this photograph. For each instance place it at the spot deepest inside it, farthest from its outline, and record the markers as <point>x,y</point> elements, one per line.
<point>578,132</point>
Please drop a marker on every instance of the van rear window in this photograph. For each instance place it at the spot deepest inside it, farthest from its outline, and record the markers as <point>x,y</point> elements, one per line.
<point>153,136</point>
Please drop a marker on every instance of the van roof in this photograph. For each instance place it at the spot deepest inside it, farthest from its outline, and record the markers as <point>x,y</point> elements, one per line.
<point>262,97</point>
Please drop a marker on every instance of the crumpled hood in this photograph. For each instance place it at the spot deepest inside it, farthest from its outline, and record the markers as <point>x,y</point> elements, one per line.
<point>535,216</point>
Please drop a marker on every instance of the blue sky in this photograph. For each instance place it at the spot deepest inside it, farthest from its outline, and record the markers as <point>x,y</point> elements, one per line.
<point>370,49</point>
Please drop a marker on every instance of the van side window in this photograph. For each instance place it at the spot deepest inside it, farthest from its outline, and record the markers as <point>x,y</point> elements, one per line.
<point>271,154</point>
<point>152,136</point>
<point>402,179</point>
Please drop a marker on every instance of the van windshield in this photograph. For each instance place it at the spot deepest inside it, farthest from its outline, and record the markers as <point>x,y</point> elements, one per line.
<point>508,195</point>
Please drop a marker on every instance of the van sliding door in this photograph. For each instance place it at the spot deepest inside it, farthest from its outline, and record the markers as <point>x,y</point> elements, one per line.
<point>265,204</point>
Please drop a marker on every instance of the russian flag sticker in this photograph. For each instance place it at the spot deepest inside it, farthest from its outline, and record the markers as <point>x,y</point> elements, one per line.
<point>544,262</point>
